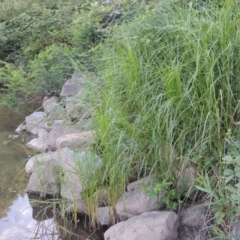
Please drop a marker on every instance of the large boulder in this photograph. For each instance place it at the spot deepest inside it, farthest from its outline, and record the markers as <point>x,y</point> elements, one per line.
<point>78,141</point>
<point>64,159</point>
<point>38,144</point>
<point>75,180</point>
<point>44,180</point>
<point>71,186</point>
<point>136,201</point>
<point>42,158</point>
<point>58,130</point>
<point>36,121</point>
<point>149,225</point>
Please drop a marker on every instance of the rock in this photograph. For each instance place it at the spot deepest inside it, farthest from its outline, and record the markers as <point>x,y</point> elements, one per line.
<point>45,180</point>
<point>73,85</point>
<point>71,187</point>
<point>235,234</point>
<point>86,164</point>
<point>194,233</point>
<point>38,144</point>
<point>36,121</point>
<point>149,225</point>
<point>105,216</point>
<point>188,178</point>
<point>39,159</point>
<point>77,207</point>
<point>63,158</point>
<point>57,113</point>
<point>42,133</point>
<point>136,202</point>
<point>76,140</point>
<point>101,196</point>
<point>48,103</point>
<point>22,128</point>
<point>78,107</point>
<point>139,183</point>
<point>59,130</point>
<point>194,216</point>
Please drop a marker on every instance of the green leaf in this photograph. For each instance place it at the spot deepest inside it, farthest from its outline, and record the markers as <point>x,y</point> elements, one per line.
<point>237,185</point>
<point>219,217</point>
<point>231,188</point>
<point>237,174</point>
<point>237,160</point>
<point>209,191</point>
<point>228,179</point>
<point>227,159</point>
<point>235,197</point>
<point>228,172</point>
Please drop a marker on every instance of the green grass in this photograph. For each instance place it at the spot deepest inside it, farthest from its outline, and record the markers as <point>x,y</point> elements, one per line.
<point>171,76</point>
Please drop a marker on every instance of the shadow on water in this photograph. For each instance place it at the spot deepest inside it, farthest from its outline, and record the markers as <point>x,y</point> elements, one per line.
<point>21,219</point>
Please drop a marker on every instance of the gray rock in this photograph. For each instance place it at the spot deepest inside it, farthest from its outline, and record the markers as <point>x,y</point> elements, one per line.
<point>43,133</point>
<point>140,183</point>
<point>194,216</point>
<point>194,233</point>
<point>22,128</point>
<point>149,225</point>
<point>77,107</point>
<point>48,103</point>
<point>73,85</point>
<point>45,180</point>
<point>77,207</point>
<point>101,197</point>
<point>235,234</point>
<point>136,202</point>
<point>71,187</point>
<point>57,113</point>
<point>59,130</point>
<point>36,121</point>
<point>40,159</point>
<point>187,178</point>
<point>106,216</point>
<point>38,144</point>
<point>76,140</point>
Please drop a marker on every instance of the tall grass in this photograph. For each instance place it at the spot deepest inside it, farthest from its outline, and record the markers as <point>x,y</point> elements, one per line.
<point>168,78</point>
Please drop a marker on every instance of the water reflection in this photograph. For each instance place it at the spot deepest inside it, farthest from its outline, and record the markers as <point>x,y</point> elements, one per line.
<point>21,219</point>
<point>51,224</point>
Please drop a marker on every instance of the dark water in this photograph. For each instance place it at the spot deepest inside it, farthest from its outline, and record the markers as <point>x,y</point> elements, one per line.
<point>21,218</point>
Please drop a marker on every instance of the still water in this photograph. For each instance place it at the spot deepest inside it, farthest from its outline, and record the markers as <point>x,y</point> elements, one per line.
<point>20,218</point>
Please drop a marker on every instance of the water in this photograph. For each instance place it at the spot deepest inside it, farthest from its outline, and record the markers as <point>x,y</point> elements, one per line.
<point>21,218</point>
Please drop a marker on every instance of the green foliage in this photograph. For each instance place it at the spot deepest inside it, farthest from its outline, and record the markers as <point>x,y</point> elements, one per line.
<point>169,76</point>
<point>50,69</point>
<point>34,29</point>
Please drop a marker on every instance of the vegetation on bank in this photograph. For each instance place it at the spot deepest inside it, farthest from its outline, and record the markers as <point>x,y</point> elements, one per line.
<point>166,74</point>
